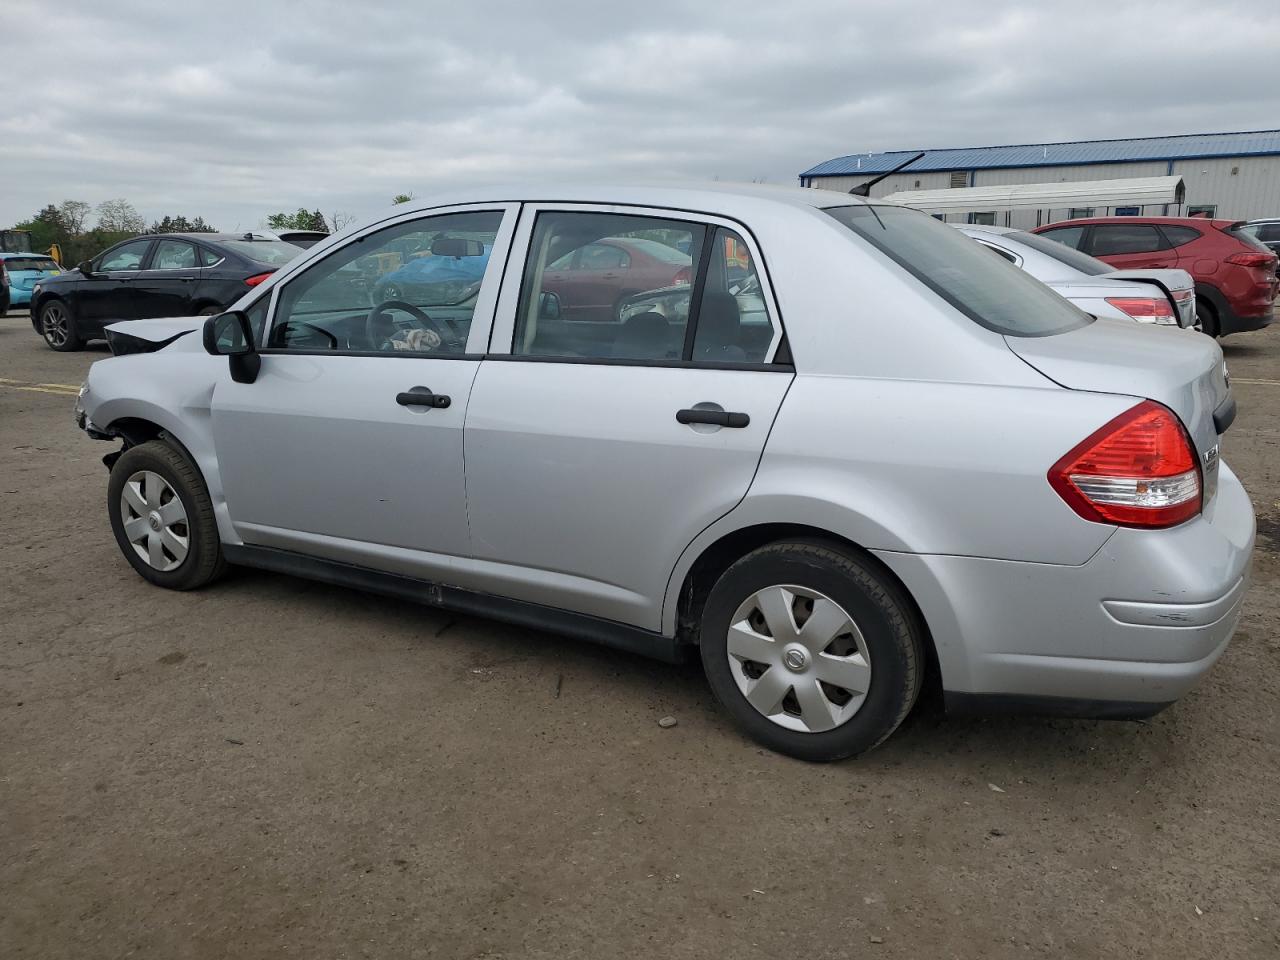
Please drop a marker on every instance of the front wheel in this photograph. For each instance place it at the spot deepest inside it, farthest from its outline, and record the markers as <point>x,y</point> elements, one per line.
<point>58,327</point>
<point>162,517</point>
<point>814,651</point>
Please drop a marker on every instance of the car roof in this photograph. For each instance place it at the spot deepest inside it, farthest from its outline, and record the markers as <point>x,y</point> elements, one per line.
<point>986,228</point>
<point>10,254</point>
<point>710,197</point>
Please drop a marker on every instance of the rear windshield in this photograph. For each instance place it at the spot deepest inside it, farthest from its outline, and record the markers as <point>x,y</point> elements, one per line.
<point>989,290</point>
<point>273,252</point>
<point>1062,253</point>
<point>28,263</point>
<point>1247,235</point>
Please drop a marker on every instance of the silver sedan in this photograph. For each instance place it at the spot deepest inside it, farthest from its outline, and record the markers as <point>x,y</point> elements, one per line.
<point>845,454</point>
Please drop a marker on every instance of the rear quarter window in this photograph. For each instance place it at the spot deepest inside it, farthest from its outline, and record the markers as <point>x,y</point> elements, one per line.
<point>989,290</point>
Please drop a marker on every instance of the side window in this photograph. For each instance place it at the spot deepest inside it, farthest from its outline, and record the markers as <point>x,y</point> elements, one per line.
<point>1111,240</point>
<point>1068,236</point>
<point>410,288</point>
<point>209,257</point>
<point>733,321</point>
<point>173,255</point>
<point>603,256</point>
<point>1000,253</point>
<point>127,257</point>
<point>1180,235</point>
<point>1268,232</point>
<point>640,313</point>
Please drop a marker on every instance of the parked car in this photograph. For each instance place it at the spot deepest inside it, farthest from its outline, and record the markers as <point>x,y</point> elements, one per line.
<point>1235,274</point>
<point>595,278</point>
<point>447,273</point>
<point>1165,297</point>
<point>24,271</point>
<point>160,275</point>
<point>1266,231</point>
<point>934,466</point>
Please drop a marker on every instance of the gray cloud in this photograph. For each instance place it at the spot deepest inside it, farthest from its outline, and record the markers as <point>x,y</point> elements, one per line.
<point>232,110</point>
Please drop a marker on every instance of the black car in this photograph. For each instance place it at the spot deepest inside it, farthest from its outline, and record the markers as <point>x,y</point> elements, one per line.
<point>161,275</point>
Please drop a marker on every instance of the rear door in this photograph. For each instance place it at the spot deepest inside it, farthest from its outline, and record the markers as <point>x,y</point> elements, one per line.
<point>593,461</point>
<point>349,444</point>
<point>1125,245</point>
<point>168,285</point>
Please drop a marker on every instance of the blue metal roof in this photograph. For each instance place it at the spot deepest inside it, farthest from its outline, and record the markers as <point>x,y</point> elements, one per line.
<point>1185,147</point>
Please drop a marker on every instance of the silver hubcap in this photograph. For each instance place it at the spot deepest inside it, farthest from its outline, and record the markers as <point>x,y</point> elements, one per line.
<point>155,522</point>
<point>799,658</point>
<point>55,325</point>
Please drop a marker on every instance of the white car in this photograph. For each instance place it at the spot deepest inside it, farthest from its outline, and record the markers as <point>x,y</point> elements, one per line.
<point>1166,297</point>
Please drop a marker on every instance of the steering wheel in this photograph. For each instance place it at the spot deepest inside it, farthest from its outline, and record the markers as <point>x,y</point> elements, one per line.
<point>446,328</point>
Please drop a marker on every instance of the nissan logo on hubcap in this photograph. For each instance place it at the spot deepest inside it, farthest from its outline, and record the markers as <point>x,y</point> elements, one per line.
<point>796,659</point>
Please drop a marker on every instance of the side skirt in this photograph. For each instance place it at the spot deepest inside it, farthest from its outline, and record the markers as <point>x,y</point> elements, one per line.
<point>535,616</point>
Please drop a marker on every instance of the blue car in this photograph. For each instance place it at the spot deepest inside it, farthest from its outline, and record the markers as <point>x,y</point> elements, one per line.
<point>25,270</point>
<point>442,279</point>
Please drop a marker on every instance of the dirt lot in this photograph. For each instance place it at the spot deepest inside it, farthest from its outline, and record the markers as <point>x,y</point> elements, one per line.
<point>273,768</point>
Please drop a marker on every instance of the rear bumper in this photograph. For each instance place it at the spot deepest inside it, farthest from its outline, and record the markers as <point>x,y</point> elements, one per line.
<point>1124,634</point>
<point>1231,322</point>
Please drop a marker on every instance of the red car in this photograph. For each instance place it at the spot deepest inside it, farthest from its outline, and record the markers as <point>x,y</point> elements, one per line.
<point>1235,274</point>
<point>594,279</point>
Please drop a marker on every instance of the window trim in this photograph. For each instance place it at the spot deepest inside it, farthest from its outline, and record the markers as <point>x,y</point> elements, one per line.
<point>501,345</point>
<point>486,302</point>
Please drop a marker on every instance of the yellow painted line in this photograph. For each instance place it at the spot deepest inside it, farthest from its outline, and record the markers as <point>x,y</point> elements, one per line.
<point>59,389</point>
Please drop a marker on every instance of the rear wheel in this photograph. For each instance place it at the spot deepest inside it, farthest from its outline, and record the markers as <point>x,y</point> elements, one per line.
<point>162,517</point>
<point>812,650</point>
<point>1208,315</point>
<point>58,327</point>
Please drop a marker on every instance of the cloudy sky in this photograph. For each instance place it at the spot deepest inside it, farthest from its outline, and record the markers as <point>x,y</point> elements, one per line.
<point>231,110</point>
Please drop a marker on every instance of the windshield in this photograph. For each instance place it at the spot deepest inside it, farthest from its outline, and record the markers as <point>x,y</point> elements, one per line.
<point>989,290</point>
<point>1062,253</point>
<point>273,252</point>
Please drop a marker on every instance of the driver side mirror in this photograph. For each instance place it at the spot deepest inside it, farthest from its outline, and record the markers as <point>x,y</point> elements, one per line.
<point>85,267</point>
<point>548,306</point>
<point>230,335</point>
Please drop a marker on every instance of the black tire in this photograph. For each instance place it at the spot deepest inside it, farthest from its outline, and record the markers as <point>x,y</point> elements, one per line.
<point>1208,315</point>
<point>204,562</point>
<point>58,327</point>
<point>877,605</point>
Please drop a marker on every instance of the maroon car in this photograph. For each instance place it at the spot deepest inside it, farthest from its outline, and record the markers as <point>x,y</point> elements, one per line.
<point>594,279</point>
<point>1235,274</point>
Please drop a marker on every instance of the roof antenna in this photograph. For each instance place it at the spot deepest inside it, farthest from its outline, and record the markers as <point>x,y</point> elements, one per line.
<point>864,189</point>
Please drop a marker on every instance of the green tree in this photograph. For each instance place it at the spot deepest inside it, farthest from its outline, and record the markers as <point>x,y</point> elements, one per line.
<point>181,224</point>
<point>401,198</point>
<point>119,216</point>
<point>302,220</point>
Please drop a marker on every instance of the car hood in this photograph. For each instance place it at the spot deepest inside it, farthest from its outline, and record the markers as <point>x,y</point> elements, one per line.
<point>147,336</point>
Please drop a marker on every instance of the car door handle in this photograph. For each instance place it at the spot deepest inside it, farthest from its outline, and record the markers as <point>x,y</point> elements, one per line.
<point>422,397</point>
<point>721,418</point>
<point>187,279</point>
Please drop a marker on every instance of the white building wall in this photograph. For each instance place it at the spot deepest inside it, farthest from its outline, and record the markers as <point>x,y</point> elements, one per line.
<point>1252,191</point>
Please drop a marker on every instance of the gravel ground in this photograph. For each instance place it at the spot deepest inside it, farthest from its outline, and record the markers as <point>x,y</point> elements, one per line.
<point>274,768</point>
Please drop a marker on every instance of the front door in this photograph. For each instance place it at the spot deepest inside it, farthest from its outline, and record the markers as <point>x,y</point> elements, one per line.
<point>168,285</point>
<point>108,296</point>
<point>349,444</point>
<point>592,463</point>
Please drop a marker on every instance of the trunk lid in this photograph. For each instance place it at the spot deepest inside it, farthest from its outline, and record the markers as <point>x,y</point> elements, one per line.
<point>1179,368</point>
<point>1177,285</point>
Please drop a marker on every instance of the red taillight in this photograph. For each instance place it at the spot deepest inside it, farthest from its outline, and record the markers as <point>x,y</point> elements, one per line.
<point>1145,309</point>
<point>682,276</point>
<point>257,278</point>
<point>1266,260</point>
<point>1139,470</point>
